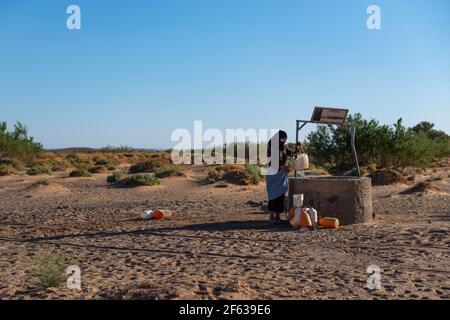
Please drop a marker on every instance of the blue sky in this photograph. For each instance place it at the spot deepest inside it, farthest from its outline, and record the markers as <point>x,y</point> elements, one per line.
<point>137,70</point>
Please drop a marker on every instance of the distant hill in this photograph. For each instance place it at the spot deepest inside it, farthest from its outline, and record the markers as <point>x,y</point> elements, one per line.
<point>85,149</point>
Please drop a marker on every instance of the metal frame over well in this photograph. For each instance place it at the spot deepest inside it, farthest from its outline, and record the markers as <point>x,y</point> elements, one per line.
<point>351,127</point>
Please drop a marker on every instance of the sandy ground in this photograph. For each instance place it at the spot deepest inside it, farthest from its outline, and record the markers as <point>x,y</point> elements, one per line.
<point>218,245</point>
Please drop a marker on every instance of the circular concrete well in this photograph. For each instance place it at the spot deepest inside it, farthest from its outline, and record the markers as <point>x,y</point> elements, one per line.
<point>347,198</point>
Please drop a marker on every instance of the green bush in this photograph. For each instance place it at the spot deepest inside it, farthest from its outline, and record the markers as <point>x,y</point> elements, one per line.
<point>141,167</point>
<point>116,177</point>
<point>80,172</point>
<point>377,145</point>
<point>38,170</point>
<point>49,270</point>
<point>17,144</point>
<point>138,180</point>
<point>161,170</point>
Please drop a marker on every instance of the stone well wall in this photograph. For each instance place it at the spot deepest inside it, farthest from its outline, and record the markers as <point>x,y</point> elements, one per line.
<point>347,198</point>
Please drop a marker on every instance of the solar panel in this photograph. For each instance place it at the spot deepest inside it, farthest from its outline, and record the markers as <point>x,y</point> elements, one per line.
<point>329,115</point>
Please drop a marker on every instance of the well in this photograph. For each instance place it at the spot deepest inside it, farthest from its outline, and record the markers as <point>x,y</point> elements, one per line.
<point>347,198</point>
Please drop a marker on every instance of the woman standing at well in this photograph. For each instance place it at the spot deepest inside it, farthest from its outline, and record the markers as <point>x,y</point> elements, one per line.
<point>277,182</point>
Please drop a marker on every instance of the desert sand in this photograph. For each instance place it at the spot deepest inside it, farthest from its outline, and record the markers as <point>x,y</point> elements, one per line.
<point>219,244</point>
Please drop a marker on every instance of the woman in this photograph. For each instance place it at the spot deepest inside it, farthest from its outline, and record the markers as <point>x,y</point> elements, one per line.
<point>277,182</point>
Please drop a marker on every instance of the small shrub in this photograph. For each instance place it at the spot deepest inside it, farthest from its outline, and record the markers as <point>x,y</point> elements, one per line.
<point>161,168</point>
<point>214,175</point>
<point>38,170</point>
<point>164,172</point>
<point>16,164</point>
<point>98,169</point>
<point>80,172</point>
<point>116,177</point>
<point>147,166</point>
<point>49,271</point>
<point>111,168</point>
<point>7,169</point>
<point>252,174</point>
<point>138,180</point>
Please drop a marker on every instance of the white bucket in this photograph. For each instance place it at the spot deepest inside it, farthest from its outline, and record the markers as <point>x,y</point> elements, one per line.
<point>297,200</point>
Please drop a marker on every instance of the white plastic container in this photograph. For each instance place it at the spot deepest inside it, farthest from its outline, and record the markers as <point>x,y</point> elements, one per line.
<point>301,162</point>
<point>147,215</point>
<point>297,200</point>
<point>313,216</point>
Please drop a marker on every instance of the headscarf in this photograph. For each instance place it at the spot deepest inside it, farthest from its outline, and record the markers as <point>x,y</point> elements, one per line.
<point>280,135</point>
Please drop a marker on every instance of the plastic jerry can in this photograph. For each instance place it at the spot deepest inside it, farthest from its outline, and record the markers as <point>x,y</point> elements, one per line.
<point>331,223</point>
<point>301,162</point>
<point>298,217</point>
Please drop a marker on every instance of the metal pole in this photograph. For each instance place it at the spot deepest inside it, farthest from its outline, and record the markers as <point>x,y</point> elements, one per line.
<point>352,129</point>
<point>296,139</point>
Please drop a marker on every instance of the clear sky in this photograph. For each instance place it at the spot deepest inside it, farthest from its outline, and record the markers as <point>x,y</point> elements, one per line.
<point>137,70</point>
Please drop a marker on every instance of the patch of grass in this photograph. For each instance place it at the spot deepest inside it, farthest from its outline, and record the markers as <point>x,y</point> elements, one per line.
<point>138,180</point>
<point>49,270</point>
<point>38,170</point>
<point>116,177</point>
<point>80,172</point>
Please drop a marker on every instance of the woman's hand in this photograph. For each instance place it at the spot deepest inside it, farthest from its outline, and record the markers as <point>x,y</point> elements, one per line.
<point>298,148</point>
<point>285,168</point>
